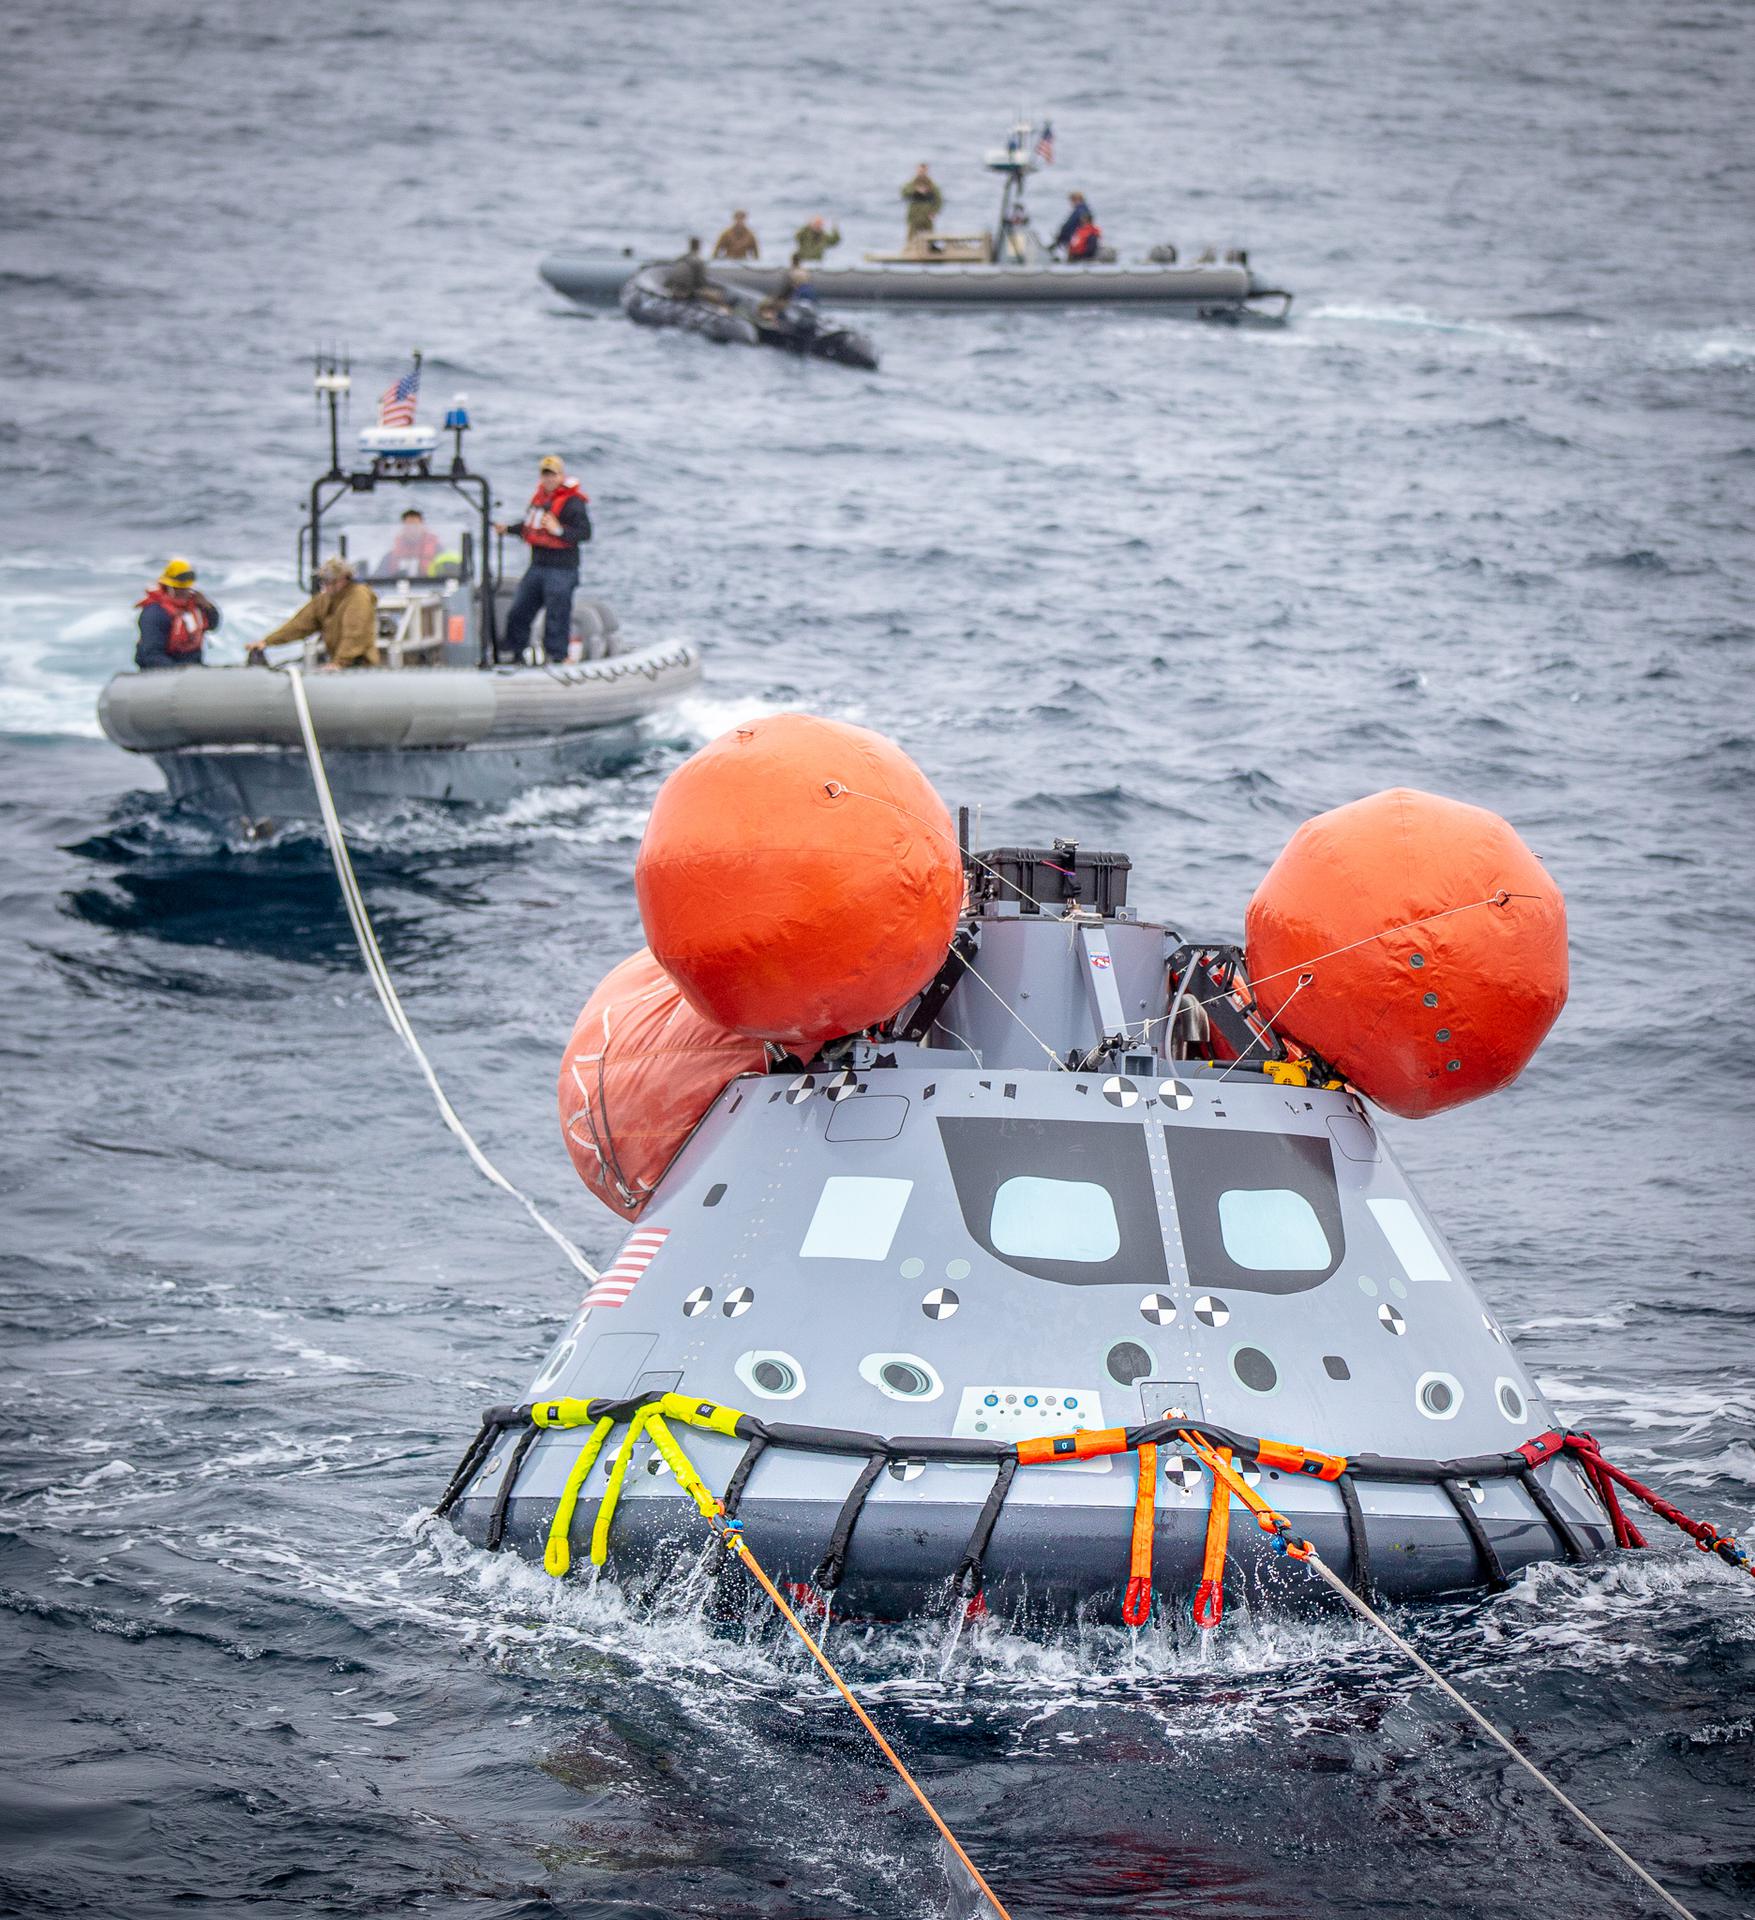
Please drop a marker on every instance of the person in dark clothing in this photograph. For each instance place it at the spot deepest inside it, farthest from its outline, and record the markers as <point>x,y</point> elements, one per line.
<point>175,621</point>
<point>1079,232</point>
<point>688,279</point>
<point>555,525</point>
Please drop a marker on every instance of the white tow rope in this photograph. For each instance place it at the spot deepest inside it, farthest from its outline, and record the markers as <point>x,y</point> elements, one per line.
<point>386,990</point>
<point>1367,1612</point>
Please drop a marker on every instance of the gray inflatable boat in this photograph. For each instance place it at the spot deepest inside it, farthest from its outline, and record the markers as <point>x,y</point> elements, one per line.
<point>227,739</point>
<point>917,1308</point>
<point>449,715</point>
<point>1220,291</point>
<point>1008,266</point>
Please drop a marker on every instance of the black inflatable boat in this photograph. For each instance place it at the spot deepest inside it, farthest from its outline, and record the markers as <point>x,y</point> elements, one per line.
<point>728,313</point>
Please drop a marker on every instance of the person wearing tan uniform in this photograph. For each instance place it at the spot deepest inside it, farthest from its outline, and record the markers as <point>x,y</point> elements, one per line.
<point>924,203</point>
<point>737,242</point>
<point>344,611</point>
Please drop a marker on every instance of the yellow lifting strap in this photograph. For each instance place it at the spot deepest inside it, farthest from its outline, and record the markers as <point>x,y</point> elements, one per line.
<point>557,1556</point>
<point>560,1413</point>
<point>613,1492</point>
<point>700,1413</point>
<point>682,1466</point>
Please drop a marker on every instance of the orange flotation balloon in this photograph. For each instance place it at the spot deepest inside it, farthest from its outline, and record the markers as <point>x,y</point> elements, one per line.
<point>1433,940</point>
<point>799,879</point>
<point>641,1069</point>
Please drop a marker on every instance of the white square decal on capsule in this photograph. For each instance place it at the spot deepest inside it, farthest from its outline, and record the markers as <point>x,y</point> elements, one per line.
<point>856,1218</point>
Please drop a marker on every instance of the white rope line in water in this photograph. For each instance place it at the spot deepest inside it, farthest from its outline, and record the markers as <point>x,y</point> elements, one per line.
<point>1369,1613</point>
<point>379,975</point>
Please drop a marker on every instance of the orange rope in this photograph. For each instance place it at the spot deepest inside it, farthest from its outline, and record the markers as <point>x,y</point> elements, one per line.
<point>740,1546</point>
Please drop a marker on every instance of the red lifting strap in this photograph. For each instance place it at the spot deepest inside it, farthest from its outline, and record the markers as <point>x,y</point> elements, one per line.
<point>1702,1532</point>
<point>1542,1448</point>
<point>1595,1469</point>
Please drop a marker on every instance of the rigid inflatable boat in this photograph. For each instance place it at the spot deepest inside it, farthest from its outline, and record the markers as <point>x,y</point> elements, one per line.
<point>960,1288</point>
<point>1007,267</point>
<point>446,717</point>
<point>796,329</point>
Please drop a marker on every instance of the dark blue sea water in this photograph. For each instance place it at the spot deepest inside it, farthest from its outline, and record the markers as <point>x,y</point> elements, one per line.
<point>1478,521</point>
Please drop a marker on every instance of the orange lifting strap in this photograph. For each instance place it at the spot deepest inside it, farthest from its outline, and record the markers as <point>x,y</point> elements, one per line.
<point>1266,1518</point>
<point>1306,1460</point>
<point>1209,1596</point>
<point>1088,1443</point>
<point>1136,1605</point>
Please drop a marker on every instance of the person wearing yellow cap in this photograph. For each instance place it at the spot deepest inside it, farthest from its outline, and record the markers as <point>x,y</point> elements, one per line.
<point>556,524</point>
<point>175,620</point>
<point>343,610</point>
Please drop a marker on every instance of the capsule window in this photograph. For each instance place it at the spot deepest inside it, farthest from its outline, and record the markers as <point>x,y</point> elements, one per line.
<point>1055,1220</point>
<point>774,1376</point>
<point>1258,1212</point>
<point>1439,1396</point>
<point>1511,1401</point>
<point>1273,1230</point>
<point>902,1376</point>
<point>1064,1200</point>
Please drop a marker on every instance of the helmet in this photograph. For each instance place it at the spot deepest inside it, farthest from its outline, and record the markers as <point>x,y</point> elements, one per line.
<point>178,575</point>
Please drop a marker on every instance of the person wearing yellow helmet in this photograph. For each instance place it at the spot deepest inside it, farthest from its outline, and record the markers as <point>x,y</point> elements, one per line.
<point>175,620</point>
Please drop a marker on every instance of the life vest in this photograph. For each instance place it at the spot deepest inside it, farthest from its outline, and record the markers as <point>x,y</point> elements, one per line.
<point>188,623</point>
<point>1083,244</point>
<point>535,533</point>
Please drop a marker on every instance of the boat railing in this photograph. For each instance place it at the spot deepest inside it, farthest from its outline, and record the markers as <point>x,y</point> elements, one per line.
<point>412,633</point>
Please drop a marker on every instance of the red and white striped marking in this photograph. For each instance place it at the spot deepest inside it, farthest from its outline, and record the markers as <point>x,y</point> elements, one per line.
<point>616,1282</point>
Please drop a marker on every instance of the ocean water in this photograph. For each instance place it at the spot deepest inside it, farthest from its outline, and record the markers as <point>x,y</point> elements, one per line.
<point>1478,520</point>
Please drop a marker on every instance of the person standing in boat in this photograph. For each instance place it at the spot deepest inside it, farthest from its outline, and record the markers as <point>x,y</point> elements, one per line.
<point>343,610</point>
<point>556,524</point>
<point>1079,232</point>
<point>813,240</point>
<point>924,203</point>
<point>737,242</point>
<point>175,621</point>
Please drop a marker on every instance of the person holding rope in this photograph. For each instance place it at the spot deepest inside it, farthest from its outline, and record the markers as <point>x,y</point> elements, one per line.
<point>343,611</point>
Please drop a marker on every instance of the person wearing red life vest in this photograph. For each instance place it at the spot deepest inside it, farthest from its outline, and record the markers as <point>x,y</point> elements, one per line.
<point>555,525</point>
<point>1079,232</point>
<point>175,620</point>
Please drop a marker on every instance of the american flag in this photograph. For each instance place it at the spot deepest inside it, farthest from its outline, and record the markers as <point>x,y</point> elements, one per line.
<point>1045,145</point>
<point>617,1281</point>
<point>396,405</point>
